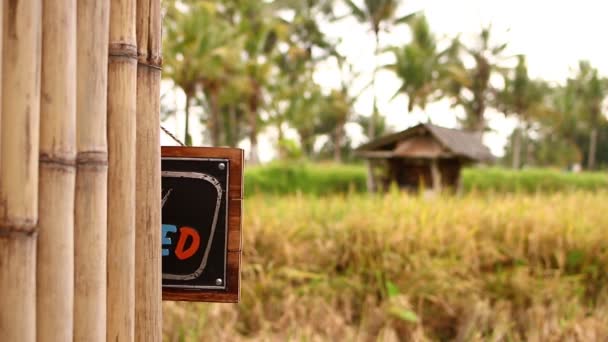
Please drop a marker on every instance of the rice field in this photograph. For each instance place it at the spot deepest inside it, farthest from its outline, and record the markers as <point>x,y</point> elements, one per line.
<point>329,178</point>
<point>482,267</point>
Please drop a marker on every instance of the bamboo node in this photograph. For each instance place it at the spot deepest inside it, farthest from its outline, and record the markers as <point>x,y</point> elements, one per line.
<point>148,65</point>
<point>65,162</point>
<point>23,227</point>
<point>92,158</point>
<point>153,62</point>
<point>156,60</point>
<point>123,50</point>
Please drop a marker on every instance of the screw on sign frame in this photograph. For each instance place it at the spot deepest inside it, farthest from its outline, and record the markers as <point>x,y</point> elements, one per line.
<point>202,207</point>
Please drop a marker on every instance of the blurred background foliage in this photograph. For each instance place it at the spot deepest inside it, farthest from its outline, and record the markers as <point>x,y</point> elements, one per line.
<point>246,66</point>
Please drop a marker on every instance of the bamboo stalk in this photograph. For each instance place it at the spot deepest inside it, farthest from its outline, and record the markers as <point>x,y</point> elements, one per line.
<point>122,76</point>
<point>90,220</point>
<point>148,299</point>
<point>1,40</point>
<point>55,253</point>
<point>19,168</point>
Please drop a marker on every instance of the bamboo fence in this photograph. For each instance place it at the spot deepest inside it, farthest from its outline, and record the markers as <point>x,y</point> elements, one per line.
<point>73,164</point>
<point>122,76</point>
<point>90,220</point>
<point>19,168</point>
<point>55,248</point>
<point>148,322</point>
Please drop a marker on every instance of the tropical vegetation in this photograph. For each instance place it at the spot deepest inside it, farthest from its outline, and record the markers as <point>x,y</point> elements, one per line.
<point>247,67</point>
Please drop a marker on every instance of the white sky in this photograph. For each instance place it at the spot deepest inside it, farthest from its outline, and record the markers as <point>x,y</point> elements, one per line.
<point>553,35</point>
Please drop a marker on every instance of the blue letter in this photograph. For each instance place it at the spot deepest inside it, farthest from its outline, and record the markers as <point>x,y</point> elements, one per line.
<point>167,228</point>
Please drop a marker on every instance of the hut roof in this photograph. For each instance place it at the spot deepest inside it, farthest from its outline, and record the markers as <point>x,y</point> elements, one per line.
<point>427,141</point>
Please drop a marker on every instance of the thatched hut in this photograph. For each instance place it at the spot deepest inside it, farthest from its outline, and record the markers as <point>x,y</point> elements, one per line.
<point>425,156</point>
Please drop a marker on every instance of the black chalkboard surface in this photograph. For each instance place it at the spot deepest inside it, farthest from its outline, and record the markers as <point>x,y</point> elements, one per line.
<point>194,222</point>
<point>197,198</point>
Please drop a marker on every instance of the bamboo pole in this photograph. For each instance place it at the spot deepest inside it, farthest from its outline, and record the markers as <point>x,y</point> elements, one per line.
<point>148,298</point>
<point>122,76</point>
<point>55,253</point>
<point>90,221</point>
<point>19,168</point>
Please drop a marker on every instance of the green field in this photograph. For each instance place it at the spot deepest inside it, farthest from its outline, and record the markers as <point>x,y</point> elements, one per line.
<point>324,179</point>
<point>480,267</point>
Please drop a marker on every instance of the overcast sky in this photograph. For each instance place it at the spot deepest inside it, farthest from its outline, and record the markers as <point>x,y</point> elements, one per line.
<point>553,35</point>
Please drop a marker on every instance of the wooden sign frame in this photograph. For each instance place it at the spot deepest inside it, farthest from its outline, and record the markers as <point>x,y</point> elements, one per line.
<point>235,156</point>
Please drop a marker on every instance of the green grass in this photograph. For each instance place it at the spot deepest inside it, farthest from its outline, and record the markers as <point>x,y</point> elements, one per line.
<point>314,179</point>
<point>532,180</point>
<point>325,179</point>
<point>481,267</point>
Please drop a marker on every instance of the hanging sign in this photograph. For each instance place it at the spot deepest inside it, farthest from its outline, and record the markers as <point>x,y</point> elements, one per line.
<point>201,223</point>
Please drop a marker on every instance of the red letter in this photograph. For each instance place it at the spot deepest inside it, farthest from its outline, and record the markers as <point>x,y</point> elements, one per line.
<point>184,233</point>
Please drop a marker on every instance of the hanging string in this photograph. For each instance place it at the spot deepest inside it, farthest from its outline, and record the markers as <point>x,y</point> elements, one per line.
<point>172,136</point>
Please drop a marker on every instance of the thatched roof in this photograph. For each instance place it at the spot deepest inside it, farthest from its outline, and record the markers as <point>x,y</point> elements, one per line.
<point>427,141</point>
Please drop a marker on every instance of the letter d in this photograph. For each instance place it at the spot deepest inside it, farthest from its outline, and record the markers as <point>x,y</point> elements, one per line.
<point>184,233</point>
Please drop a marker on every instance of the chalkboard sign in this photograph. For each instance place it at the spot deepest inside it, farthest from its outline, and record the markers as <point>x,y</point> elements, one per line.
<point>201,223</point>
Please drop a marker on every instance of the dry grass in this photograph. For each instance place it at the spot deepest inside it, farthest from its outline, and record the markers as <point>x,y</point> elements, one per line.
<point>404,268</point>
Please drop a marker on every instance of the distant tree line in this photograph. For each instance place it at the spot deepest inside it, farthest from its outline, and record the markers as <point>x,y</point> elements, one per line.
<point>244,66</point>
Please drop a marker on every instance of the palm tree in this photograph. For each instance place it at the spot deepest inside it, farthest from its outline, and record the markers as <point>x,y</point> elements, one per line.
<point>417,65</point>
<point>591,90</point>
<point>180,44</point>
<point>261,29</point>
<point>470,87</point>
<point>564,122</point>
<point>523,97</point>
<point>379,15</point>
<point>203,54</point>
<point>376,14</point>
<point>334,115</point>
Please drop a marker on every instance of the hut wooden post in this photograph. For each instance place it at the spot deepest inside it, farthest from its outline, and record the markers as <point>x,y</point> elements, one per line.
<point>148,302</point>
<point>90,221</point>
<point>19,168</point>
<point>371,177</point>
<point>122,76</point>
<point>55,253</point>
<point>436,175</point>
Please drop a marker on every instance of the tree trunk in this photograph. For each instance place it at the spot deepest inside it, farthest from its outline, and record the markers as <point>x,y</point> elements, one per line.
<point>231,127</point>
<point>338,136</point>
<point>21,41</point>
<point>122,77</point>
<point>528,144</point>
<point>371,130</point>
<point>281,137</point>
<point>516,157</point>
<point>479,126</point>
<point>55,254</point>
<point>148,273</point>
<point>90,211</point>
<point>592,149</point>
<point>253,127</point>
<point>371,177</point>
<point>187,137</point>
<point>213,124</point>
